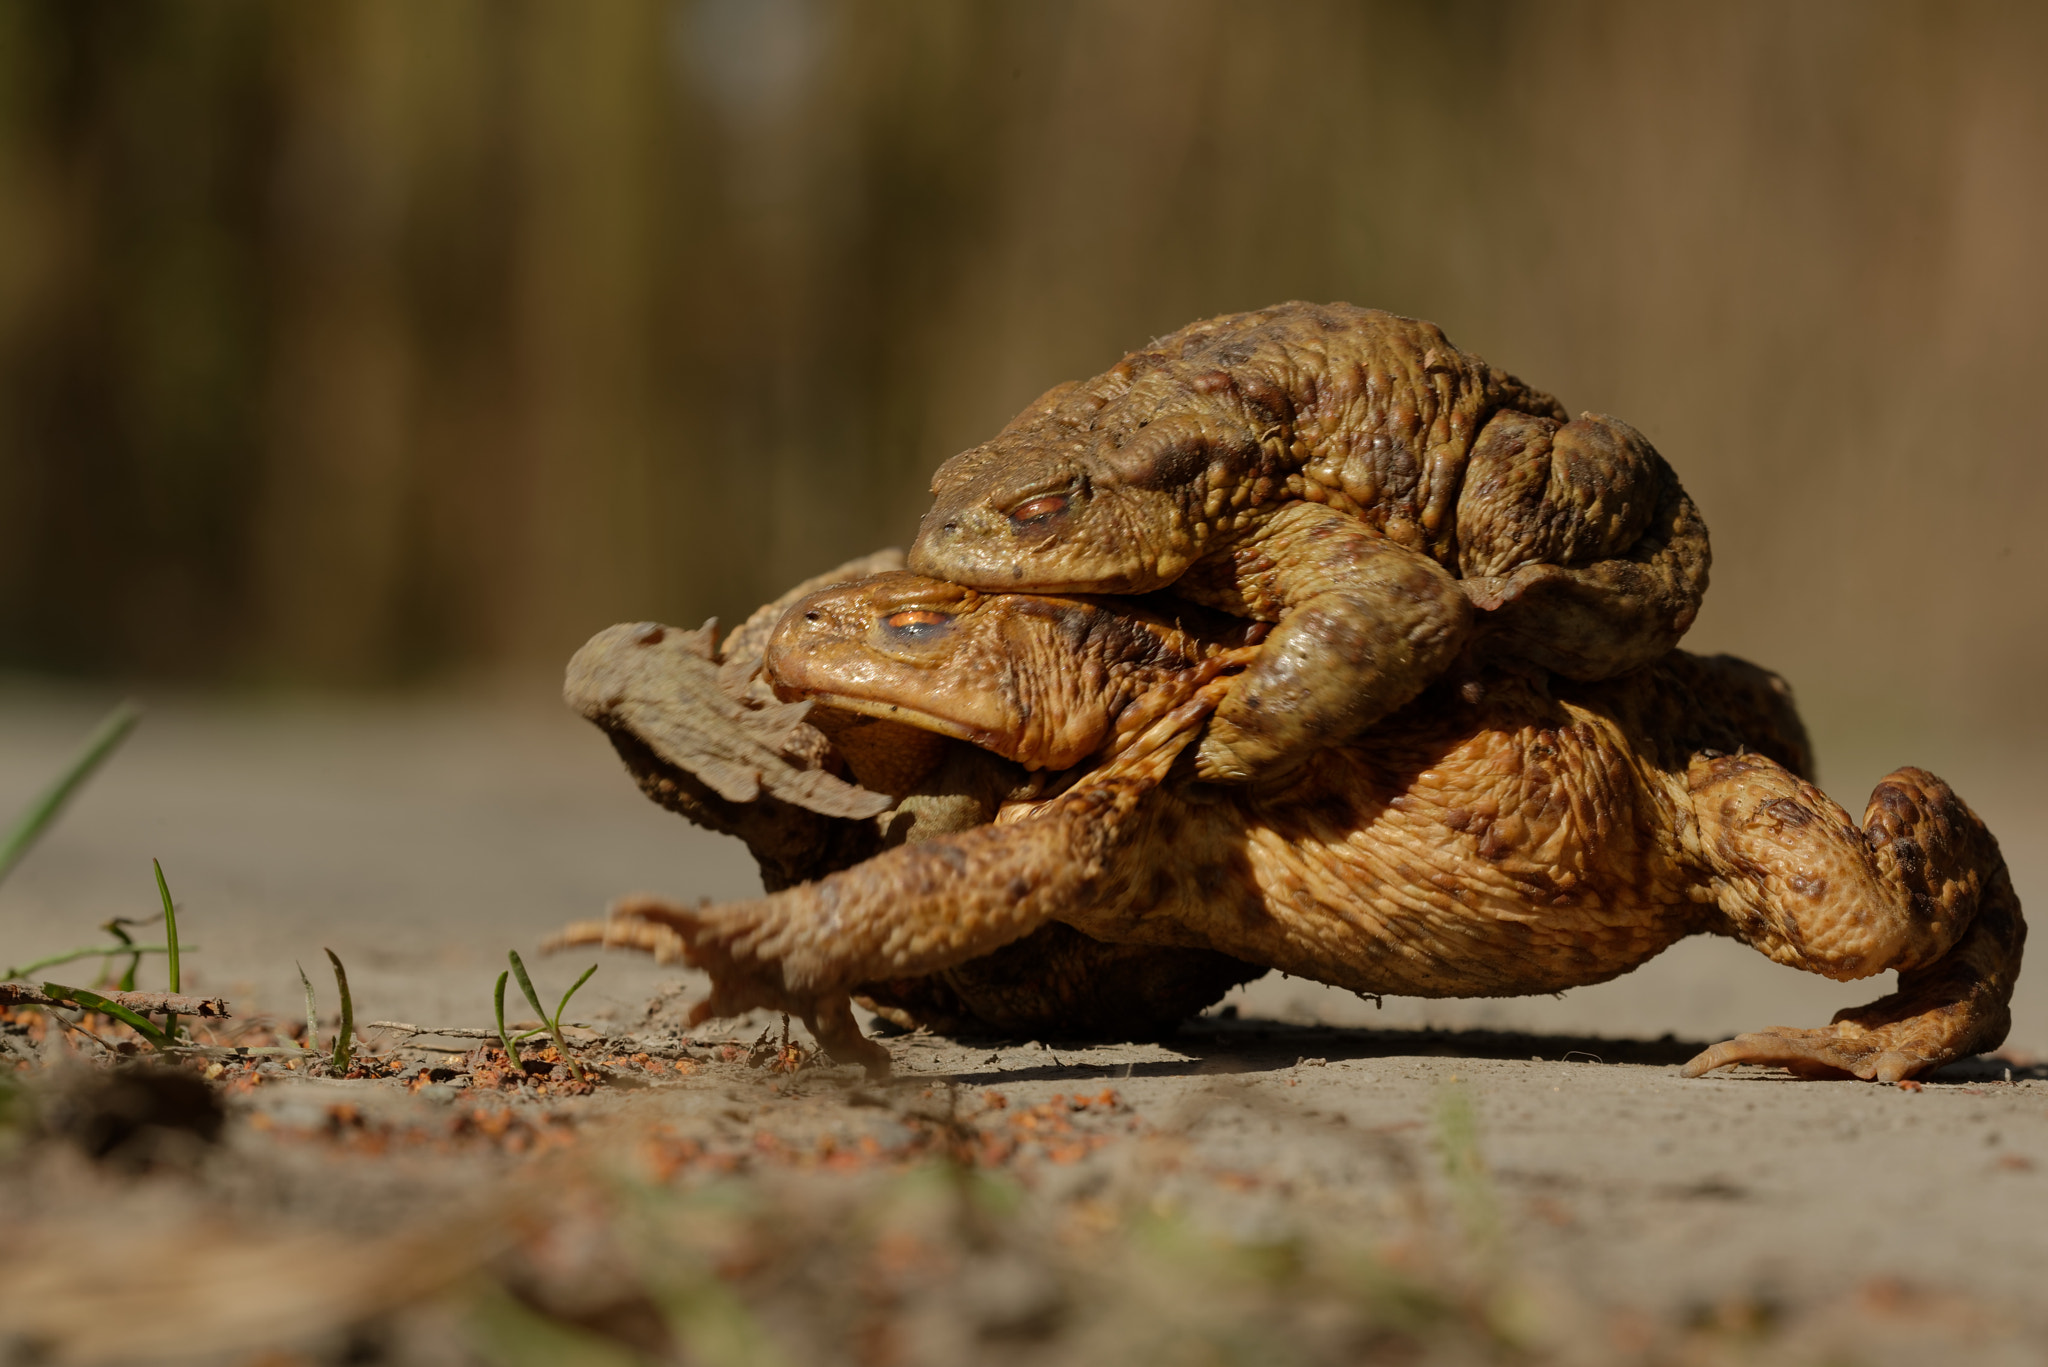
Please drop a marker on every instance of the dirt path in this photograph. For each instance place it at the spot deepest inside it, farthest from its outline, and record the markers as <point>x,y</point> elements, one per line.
<point>1634,1215</point>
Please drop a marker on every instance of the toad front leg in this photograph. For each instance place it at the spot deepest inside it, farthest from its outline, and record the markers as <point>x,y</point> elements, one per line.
<point>1920,888</point>
<point>910,911</point>
<point>1365,624</point>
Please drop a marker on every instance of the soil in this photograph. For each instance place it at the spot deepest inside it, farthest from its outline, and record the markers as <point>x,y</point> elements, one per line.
<point>1299,1176</point>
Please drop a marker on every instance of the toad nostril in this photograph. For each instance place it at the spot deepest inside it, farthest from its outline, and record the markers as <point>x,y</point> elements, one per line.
<point>951,527</point>
<point>811,617</point>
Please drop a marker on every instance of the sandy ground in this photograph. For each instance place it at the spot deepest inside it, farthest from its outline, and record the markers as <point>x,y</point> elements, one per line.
<point>420,839</point>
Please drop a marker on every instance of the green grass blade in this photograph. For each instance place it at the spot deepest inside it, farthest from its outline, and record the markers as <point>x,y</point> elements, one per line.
<point>526,984</point>
<point>39,814</point>
<point>113,928</point>
<point>90,952</point>
<point>1457,1132</point>
<point>127,982</point>
<point>171,940</point>
<point>170,925</point>
<point>573,989</point>
<point>504,1036</point>
<point>93,1001</point>
<point>344,1040</point>
<point>312,1011</point>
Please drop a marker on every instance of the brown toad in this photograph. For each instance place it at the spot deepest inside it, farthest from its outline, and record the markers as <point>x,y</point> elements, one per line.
<point>1514,835</point>
<point>704,736</point>
<point>1349,474</point>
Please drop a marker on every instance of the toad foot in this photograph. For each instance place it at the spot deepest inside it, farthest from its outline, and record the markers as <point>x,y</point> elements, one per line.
<point>1843,1049</point>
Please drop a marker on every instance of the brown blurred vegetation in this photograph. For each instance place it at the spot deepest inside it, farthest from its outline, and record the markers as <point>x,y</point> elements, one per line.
<point>368,341</point>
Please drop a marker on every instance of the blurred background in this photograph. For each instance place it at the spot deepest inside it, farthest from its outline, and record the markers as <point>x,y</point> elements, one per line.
<point>373,345</point>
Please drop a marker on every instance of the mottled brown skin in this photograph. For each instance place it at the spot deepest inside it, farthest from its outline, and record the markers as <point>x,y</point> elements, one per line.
<point>703,734</point>
<point>1508,836</point>
<point>1350,475</point>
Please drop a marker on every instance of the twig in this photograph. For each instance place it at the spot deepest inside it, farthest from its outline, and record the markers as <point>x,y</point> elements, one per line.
<point>238,1050</point>
<point>453,1032</point>
<point>142,1003</point>
<point>70,1024</point>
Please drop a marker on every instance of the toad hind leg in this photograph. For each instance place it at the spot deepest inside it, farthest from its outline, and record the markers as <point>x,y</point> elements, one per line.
<point>1921,888</point>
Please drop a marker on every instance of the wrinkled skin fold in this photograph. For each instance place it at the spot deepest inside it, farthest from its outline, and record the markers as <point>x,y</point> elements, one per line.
<point>1388,500</point>
<point>1511,834</point>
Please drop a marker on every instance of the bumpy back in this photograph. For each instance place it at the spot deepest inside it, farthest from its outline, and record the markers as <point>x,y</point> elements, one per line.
<point>1368,411</point>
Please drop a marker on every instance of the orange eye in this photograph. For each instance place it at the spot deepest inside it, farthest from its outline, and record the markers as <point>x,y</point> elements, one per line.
<point>916,624</point>
<point>1038,509</point>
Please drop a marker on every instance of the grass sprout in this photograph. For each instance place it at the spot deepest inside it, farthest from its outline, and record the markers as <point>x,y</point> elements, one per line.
<point>29,970</point>
<point>345,1037</point>
<point>170,944</point>
<point>115,929</point>
<point>504,1035</point>
<point>554,1022</point>
<point>1457,1133</point>
<point>344,1050</point>
<point>127,979</point>
<point>312,1009</point>
<point>38,816</point>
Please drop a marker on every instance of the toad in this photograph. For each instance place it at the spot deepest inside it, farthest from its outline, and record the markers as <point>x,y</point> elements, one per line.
<point>1513,834</point>
<point>1348,474</point>
<point>701,731</point>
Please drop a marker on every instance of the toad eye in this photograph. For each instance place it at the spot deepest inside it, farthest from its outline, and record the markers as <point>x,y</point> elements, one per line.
<point>916,624</point>
<point>1038,509</point>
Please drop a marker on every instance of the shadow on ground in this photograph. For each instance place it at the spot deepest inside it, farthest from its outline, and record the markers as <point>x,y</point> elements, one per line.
<point>1257,1046</point>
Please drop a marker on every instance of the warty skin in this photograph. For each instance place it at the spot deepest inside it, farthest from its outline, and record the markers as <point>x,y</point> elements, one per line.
<point>1348,474</point>
<point>1506,835</point>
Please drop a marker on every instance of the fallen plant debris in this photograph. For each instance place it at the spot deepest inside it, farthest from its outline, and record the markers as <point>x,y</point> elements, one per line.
<point>741,1199</point>
<point>740,1212</point>
<point>144,1003</point>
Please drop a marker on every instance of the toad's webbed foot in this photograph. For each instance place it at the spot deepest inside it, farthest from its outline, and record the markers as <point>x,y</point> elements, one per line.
<point>1921,887</point>
<point>671,931</point>
<point>1889,1054</point>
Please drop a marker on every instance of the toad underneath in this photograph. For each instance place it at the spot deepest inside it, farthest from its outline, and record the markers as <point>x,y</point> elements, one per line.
<point>1348,474</point>
<point>1515,834</point>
